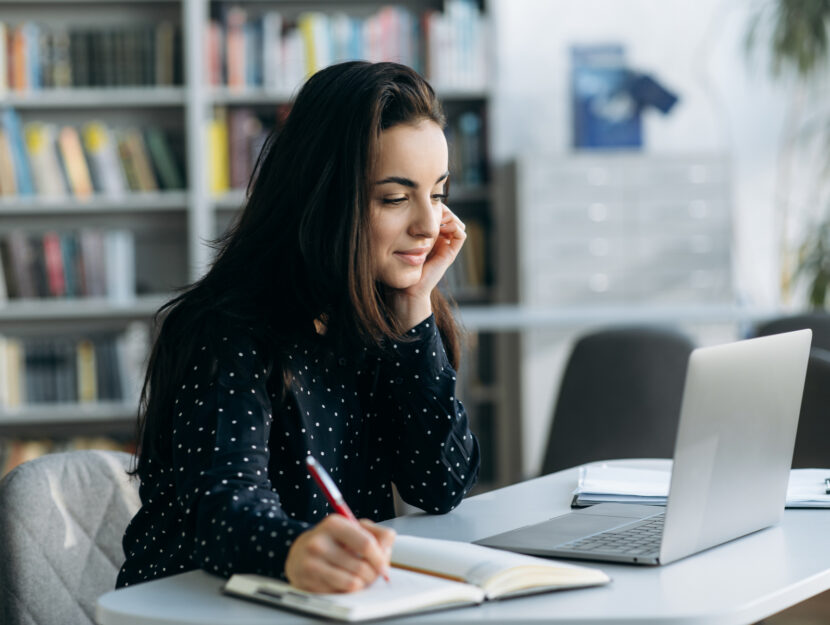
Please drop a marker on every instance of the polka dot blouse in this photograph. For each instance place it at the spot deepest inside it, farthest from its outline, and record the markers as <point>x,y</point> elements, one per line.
<point>234,492</point>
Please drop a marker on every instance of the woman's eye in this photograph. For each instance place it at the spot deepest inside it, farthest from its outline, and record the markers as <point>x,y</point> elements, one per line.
<point>440,197</point>
<point>394,200</point>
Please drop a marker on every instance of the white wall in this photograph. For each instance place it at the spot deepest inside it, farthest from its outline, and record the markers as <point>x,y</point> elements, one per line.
<point>695,48</point>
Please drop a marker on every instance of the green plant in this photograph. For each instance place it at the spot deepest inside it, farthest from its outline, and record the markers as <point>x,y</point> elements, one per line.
<point>798,33</point>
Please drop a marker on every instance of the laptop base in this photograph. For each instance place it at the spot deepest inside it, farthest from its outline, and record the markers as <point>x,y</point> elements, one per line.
<point>546,538</point>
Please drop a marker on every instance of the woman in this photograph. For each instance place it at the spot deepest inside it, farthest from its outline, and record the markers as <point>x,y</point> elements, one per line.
<point>318,330</point>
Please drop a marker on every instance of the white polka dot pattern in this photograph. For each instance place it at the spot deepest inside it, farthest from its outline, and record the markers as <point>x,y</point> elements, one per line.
<point>232,492</point>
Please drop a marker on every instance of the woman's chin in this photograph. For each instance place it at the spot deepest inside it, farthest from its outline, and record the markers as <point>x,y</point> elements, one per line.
<point>403,280</point>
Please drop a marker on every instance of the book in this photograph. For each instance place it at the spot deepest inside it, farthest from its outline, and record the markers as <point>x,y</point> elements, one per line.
<point>164,53</point>
<point>235,48</point>
<point>105,165</point>
<point>243,128</point>
<point>74,162</point>
<point>10,122</point>
<point>427,574</point>
<point>4,58</point>
<point>53,260</point>
<point>85,365</point>
<point>21,255</point>
<point>218,156</point>
<point>12,382</point>
<point>8,183</point>
<point>647,482</point>
<point>140,160</point>
<point>93,276</point>
<point>119,265</point>
<point>166,168</point>
<point>47,175</point>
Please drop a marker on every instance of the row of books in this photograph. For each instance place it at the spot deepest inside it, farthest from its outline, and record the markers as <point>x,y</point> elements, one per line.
<point>246,50</point>
<point>236,136</point>
<point>468,275</point>
<point>35,56</point>
<point>46,160</point>
<point>68,369</point>
<point>60,264</point>
<point>16,451</point>
<point>468,154</point>
<point>235,139</point>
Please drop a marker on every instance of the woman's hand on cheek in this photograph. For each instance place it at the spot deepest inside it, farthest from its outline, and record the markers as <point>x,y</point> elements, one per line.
<point>412,305</point>
<point>338,555</point>
<point>451,236</point>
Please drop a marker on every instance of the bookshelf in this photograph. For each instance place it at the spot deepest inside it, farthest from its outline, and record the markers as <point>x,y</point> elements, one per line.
<point>170,226</point>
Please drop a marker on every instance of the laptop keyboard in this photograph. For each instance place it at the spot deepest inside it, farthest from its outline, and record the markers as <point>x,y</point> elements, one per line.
<point>642,537</point>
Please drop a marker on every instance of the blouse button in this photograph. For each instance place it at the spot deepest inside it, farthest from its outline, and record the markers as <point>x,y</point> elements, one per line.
<point>398,380</point>
<point>341,361</point>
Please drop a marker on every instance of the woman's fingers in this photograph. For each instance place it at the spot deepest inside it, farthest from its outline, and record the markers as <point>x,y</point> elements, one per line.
<point>360,541</point>
<point>338,555</point>
<point>385,536</point>
<point>452,231</point>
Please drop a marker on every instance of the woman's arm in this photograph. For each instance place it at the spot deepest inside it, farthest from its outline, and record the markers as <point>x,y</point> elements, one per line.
<point>222,422</point>
<point>435,457</point>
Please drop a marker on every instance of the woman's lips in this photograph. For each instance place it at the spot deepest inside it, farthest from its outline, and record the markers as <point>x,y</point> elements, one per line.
<point>413,257</point>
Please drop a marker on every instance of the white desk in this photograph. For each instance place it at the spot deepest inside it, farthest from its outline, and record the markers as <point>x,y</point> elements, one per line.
<point>737,583</point>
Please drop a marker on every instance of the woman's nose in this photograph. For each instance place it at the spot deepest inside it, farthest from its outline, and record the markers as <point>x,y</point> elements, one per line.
<point>426,219</point>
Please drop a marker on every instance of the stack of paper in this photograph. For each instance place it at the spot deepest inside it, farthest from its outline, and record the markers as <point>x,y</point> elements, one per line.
<point>648,483</point>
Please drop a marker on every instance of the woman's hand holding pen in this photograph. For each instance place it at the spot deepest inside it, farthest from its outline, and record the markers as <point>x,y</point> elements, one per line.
<point>338,555</point>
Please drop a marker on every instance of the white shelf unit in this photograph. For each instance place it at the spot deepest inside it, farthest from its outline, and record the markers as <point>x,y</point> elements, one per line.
<point>157,219</point>
<point>186,220</point>
<point>607,238</point>
<point>96,98</point>
<point>91,309</point>
<point>129,203</point>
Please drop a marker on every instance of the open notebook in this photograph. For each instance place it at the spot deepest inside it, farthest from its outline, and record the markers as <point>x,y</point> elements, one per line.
<point>646,481</point>
<point>427,574</point>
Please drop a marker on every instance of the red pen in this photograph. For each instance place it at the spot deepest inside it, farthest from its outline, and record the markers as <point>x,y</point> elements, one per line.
<point>330,490</point>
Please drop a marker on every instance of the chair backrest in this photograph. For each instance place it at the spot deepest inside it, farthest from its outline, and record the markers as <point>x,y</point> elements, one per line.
<point>812,442</point>
<point>619,397</point>
<point>818,322</point>
<point>62,518</point>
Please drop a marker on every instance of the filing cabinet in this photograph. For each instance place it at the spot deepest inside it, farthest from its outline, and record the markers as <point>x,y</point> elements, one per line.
<point>623,229</point>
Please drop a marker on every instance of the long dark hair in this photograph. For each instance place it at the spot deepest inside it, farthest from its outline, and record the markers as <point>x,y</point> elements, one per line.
<point>300,249</point>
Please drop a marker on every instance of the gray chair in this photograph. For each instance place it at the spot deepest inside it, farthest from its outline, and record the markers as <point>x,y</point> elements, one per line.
<point>818,322</point>
<point>619,397</point>
<point>62,517</point>
<point>812,441</point>
<point>812,445</point>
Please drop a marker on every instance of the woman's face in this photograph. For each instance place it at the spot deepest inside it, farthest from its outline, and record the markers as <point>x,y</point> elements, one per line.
<point>406,200</point>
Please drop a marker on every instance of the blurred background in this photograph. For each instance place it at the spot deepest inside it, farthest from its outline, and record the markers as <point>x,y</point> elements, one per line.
<point>649,164</point>
<point>638,163</point>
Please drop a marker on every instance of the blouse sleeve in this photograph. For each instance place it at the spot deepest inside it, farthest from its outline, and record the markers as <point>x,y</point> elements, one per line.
<point>221,423</point>
<point>434,455</point>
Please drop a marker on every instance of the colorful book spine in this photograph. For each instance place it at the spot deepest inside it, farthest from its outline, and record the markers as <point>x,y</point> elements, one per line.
<point>218,157</point>
<point>74,162</point>
<point>105,165</point>
<point>41,152</point>
<point>165,165</point>
<point>4,58</point>
<point>87,378</point>
<point>8,178</point>
<point>10,122</point>
<point>53,258</point>
<point>235,19</point>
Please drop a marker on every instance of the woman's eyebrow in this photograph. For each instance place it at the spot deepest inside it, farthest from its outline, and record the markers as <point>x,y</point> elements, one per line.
<point>408,182</point>
<point>398,180</point>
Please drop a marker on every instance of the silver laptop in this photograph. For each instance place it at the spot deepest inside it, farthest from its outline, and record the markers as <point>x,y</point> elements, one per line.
<point>732,461</point>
